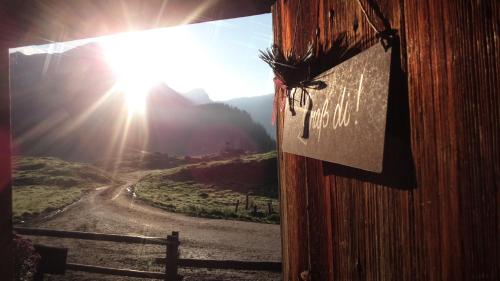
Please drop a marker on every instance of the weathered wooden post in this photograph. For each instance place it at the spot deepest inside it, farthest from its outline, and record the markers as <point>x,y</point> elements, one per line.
<point>53,261</point>
<point>246,202</point>
<point>432,213</point>
<point>270,207</point>
<point>171,257</point>
<point>237,205</point>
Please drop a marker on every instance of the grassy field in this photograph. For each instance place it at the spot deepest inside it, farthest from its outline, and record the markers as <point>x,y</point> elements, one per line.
<point>43,184</point>
<point>212,189</point>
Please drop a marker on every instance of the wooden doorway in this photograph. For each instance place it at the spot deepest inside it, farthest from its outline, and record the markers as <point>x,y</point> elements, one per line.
<point>42,22</point>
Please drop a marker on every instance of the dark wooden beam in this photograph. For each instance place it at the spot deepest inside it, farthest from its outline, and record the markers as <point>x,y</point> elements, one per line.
<point>6,262</point>
<point>46,21</point>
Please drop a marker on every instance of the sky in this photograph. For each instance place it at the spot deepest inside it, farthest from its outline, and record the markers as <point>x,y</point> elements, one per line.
<point>220,57</point>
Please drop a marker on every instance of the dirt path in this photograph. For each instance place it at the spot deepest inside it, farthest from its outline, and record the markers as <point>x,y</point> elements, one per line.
<point>110,209</point>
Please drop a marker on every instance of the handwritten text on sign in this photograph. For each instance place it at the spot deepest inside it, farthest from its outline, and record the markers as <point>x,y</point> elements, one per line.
<point>346,122</point>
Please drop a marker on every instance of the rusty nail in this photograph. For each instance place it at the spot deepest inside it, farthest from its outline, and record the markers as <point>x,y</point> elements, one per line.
<point>304,275</point>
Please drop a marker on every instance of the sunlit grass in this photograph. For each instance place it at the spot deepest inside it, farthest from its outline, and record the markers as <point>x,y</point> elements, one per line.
<point>32,200</point>
<point>173,190</point>
<point>203,200</point>
<point>44,184</point>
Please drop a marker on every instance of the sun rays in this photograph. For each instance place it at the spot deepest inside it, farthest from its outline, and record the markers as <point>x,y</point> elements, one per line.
<point>142,60</point>
<point>182,57</point>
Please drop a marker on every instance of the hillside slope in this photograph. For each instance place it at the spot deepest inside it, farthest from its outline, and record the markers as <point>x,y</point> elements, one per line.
<point>217,189</point>
<point>260,109</point>
<point>42,184</point>
<point>62,106</point>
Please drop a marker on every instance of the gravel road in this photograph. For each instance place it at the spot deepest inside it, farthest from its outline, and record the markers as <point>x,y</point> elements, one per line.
<point>111,209</point>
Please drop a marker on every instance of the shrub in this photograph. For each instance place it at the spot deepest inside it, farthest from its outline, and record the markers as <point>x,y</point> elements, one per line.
<point>274,218</point>
<point>25,259</point>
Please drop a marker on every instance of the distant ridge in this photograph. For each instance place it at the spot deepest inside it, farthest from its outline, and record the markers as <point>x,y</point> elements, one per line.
<point>260,108</point>
<point>52,95</point>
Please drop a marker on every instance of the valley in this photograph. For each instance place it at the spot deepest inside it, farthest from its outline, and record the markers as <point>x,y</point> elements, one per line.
<point>139,202</point>
<point>91,155</point>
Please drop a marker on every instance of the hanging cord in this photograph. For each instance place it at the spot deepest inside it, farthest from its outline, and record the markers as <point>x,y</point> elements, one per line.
<point>386,36</point>
<point>368,18</point>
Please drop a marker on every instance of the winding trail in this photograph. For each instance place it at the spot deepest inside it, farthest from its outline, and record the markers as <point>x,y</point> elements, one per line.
<point>110,209</point>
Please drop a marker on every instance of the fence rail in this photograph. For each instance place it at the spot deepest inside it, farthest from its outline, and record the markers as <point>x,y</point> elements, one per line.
<point>115,271</point>
<point>91,236</point>
<point>226,264</point>
<point>171,260</point>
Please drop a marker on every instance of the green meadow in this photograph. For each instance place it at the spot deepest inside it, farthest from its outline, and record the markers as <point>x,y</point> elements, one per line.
<point>44,184</point>
<point>213,189</point>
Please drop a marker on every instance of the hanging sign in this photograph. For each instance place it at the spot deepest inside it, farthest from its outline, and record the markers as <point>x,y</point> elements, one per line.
<point>344,123</point>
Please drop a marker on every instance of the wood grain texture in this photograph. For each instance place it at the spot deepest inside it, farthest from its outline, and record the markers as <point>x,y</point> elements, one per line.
<point>432,214</point>
<point>455,102</point>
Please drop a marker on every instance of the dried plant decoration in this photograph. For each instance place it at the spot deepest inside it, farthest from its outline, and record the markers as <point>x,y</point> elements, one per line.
<point>291,72</point>
<point>299,74</point>
<point>294,72</point>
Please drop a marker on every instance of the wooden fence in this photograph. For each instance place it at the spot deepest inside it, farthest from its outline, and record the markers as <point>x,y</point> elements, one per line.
<point>54,259</point>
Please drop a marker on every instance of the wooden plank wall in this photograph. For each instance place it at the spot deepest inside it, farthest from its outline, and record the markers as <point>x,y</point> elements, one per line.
<point>433,214</point>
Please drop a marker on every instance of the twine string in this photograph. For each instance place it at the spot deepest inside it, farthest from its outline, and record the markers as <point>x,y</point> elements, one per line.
<point>385,36</point>
<point>368,18</point>
<point>285,87</point>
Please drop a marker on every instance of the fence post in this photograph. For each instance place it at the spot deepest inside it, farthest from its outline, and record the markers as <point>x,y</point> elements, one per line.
<point>176,234</point>
<point>53,261</point>
<point>171,257</point>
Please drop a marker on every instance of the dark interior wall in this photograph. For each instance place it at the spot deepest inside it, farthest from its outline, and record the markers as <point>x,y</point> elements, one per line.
<point>9,32</point>
<point>5,167</point>
<point>433,212</point>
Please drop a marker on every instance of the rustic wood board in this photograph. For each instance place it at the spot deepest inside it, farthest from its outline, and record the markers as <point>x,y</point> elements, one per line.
<point>445,226</point>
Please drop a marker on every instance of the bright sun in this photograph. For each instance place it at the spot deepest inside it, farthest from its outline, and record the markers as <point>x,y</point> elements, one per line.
<point>141,60</point>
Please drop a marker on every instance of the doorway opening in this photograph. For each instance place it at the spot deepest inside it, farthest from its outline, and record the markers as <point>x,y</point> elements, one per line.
<point>147,133</point>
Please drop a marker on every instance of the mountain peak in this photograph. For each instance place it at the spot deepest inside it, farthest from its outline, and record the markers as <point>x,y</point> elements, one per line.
<point>197,96</point>
<point>162,95</point>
